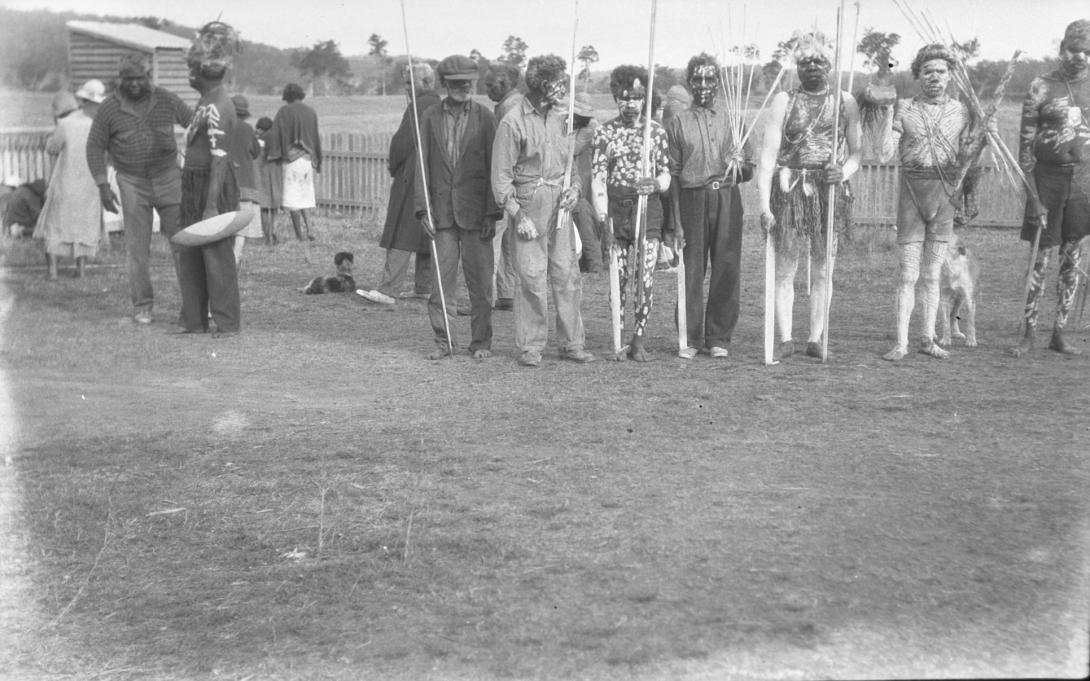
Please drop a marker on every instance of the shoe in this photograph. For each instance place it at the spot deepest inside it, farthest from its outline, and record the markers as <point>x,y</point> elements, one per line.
<point>376,296</point>
<point>813,349</point>
<point>142,317</point>
<point>224,334</point>
<point>579,355</point>
<point>504,304</point>
<point>530,358</point>
<point>686,353</point>
<point>718,352</point>
<point>180,330</point>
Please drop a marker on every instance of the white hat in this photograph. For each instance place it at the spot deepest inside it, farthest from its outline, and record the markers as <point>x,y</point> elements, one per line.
<point>93,91</point>
<point>13,181</point>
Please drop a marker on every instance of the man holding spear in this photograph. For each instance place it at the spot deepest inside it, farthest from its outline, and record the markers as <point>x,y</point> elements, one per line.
<point>529,158</point>
<point>934,131</point>
<point>1053,151</point>
<point>706,164</point>
<point>618,184</point>
<point>798,165</point>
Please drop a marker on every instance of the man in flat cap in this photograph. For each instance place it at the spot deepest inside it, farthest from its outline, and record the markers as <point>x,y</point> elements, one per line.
<point>528,167</point>
<point>135,126</point>
<point>453,201</point>
<point>1053,151</point>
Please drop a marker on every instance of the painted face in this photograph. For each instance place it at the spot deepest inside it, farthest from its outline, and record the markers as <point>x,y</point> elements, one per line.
<point>495,87</point>
<point>1074,55</point>
<point>813,70</point>
<point>703,84</point>
<point>459,90</point>
<point>554,90</point>
<point>135,87</point>
<point>630,105</point>
<point>934,77</point>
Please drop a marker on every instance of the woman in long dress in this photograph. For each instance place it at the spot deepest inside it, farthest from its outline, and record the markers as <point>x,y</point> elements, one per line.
<point>71,219</point>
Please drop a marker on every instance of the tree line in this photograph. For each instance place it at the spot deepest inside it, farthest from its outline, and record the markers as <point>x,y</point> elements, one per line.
<point>33,56</point>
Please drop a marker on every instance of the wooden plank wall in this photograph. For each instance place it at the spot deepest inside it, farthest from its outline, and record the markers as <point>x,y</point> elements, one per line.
<point>90,57</point>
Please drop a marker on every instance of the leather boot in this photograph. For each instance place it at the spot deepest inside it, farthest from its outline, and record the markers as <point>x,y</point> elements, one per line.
<point>1060,344</point>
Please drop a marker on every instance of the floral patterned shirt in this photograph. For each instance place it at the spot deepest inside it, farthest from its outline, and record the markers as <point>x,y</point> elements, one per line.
<point>617,150</point>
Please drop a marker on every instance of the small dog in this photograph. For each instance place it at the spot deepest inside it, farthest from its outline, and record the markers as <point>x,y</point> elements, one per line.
<point>342,282</point>
<point>957,294</point>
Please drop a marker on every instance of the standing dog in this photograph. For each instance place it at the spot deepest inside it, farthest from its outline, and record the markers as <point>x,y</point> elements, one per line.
<point>957,294</point>
<point>342,282</point>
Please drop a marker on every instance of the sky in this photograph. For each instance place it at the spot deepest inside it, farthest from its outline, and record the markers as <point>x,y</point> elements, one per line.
<point>437,28</point>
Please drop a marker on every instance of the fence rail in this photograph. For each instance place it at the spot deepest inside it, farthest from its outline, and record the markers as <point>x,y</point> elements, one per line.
<point>354,179</point>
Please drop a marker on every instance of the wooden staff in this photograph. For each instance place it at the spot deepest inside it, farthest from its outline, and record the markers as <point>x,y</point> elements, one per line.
<point>614,291</point>
<point>424,177</point>
<point>770,296</point>
<point>645,162</point>
<point>565,217</point>
<point>830,211</point>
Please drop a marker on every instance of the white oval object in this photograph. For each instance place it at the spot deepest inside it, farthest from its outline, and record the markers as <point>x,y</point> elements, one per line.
<point>214,228</point>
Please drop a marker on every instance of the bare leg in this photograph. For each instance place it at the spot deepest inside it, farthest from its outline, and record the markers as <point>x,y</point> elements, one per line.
<point>81,266</point>
<point>1033,301</point>
<point>296,223</point>
<point>933,252</point>
<point>787,264</point>
<point>51,267</point>
<point>1066,287</point>
<point>906,300</point>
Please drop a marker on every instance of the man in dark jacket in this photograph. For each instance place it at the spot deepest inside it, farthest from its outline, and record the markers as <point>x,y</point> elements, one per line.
<point>456,137</point>
<point>403,235</point>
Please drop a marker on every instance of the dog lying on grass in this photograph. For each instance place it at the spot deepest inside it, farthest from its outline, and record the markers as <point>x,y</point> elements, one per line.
<point>342,282</point>
<point>957,294</point>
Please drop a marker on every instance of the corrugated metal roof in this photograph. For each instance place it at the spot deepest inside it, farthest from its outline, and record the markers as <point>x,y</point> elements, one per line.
<point>131,35</point>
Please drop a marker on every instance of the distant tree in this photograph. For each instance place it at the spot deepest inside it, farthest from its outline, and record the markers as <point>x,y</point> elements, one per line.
<point>588,55</point>
<point>666,78</point>
<point>876,47</point>
<point>514,50</point>
<point>324,67</point>
<point>968,50</point>
<point>378,49</point>
<point>482,63</point>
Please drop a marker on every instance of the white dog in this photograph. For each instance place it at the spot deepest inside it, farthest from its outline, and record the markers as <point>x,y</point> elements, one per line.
<point>957,294</point>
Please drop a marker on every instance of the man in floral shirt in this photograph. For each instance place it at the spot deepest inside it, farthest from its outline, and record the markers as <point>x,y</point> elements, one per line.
<point>1053,148</point>
<point>618,183</point>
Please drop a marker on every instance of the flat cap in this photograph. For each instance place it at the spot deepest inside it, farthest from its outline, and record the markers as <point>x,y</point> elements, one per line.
<point>457,67</point>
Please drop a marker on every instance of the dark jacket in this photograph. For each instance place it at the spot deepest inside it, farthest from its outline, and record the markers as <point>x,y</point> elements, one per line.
<point>402,230</point>
<point>460,194</point>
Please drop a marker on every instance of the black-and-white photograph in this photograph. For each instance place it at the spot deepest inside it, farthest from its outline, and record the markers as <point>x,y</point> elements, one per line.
<point>581,340</point>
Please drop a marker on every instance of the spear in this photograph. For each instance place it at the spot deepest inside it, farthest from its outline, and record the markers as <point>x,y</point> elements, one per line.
<point>830,212</point>
<point>645,161</point>
<point>565,213</point>
<point>424,177</point>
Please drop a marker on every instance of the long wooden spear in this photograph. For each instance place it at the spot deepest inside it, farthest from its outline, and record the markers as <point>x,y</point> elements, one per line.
<point>565,217</point>
<point>645,160</point>
<point>424,177</point>
<point>830,211</point>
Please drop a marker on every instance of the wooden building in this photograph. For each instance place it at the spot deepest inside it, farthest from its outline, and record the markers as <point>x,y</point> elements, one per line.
<point>95,47</point>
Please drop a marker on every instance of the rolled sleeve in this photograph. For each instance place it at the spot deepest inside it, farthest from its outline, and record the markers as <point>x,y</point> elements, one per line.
<point>505,154</point>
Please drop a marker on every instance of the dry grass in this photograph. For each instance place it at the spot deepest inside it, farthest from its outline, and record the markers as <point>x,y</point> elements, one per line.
<point>313,499</point>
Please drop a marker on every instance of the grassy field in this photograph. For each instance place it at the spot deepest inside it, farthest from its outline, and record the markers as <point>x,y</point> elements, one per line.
<point>314,499</point>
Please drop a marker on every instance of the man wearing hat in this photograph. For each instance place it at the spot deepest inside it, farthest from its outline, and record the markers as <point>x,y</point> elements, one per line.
<point>135,126</point>
<point>619,183</point>
<point>456,144</point>
<point>211,185</point>
<point>1052,150</point>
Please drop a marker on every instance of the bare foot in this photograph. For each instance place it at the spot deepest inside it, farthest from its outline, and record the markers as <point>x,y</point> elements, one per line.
<point>637,352</point>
